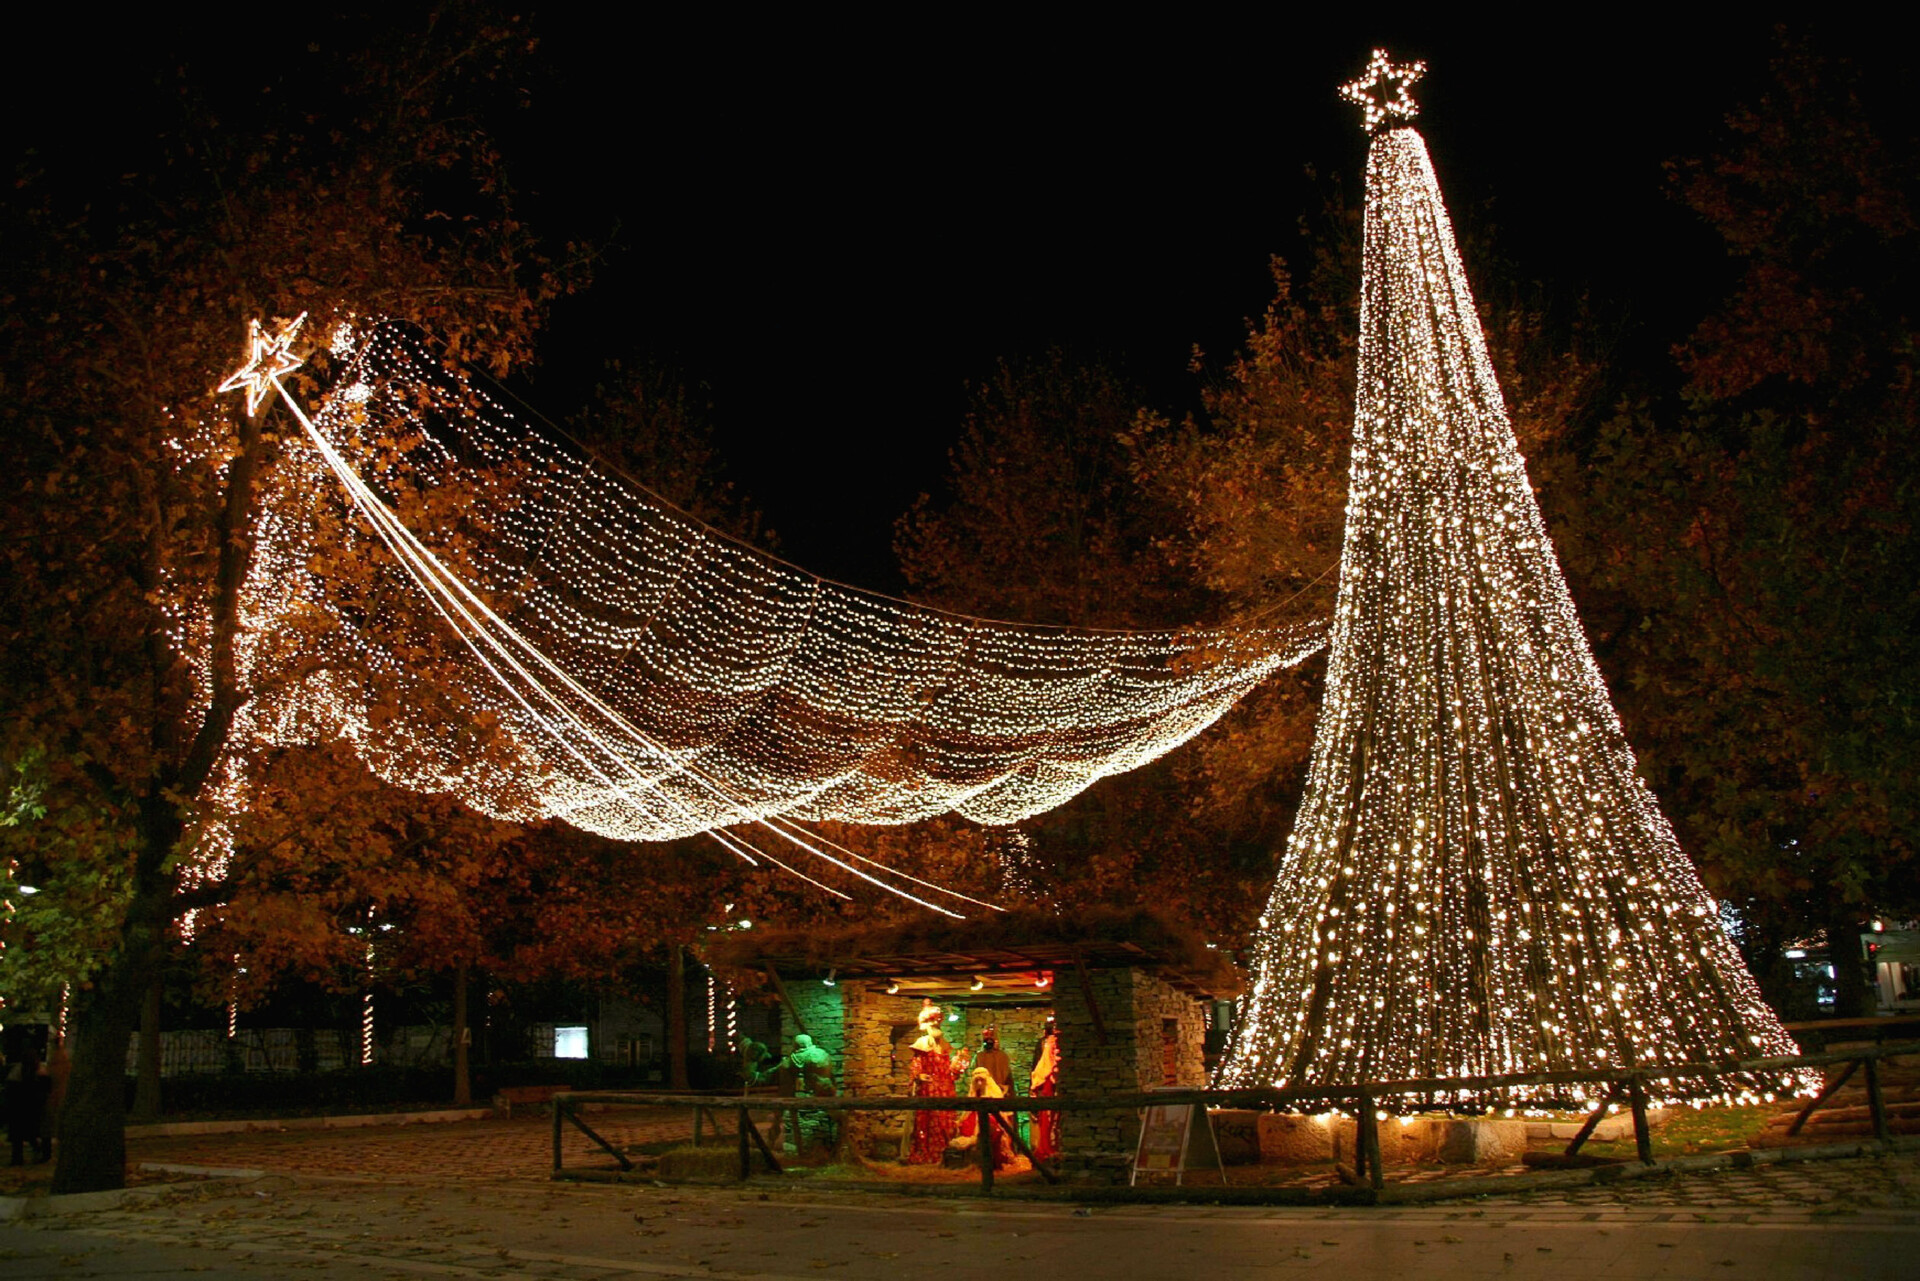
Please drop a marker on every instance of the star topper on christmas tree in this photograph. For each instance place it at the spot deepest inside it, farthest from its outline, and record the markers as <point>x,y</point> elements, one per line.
<point>1381,90</point>
<point>267,359</point>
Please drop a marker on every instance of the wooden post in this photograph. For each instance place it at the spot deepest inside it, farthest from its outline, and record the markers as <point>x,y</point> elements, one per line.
<point>592,1134</point>
<point>146,1091</point>
<point>1366,1160</point>
<point>677,1019</point>
<point>462,1038</point>
<point>1020,1146</point>
<point>1093,1006</point>
<point>773,976</point>
<point>983,1142</point>
<point>1876,1106</point>
<point>746,1156</point>
<point>557,1105</point>
<point>1826,1093</point>
<point>1594,1118</point>
<point>1642,1135</point>
<point>753,1132</point>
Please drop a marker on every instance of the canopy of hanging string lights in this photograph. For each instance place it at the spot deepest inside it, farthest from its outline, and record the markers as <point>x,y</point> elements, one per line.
<point>659,679</point>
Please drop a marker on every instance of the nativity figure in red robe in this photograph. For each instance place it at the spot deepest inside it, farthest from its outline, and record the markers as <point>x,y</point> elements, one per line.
<point>932,1078</point>
<point>1044,1081</point>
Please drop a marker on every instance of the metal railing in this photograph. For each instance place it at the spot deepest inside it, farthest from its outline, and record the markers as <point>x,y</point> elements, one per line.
<point>1364,1101</point>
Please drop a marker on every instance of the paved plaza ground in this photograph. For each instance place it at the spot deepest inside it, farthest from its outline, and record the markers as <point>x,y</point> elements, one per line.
<point>473,1199</point>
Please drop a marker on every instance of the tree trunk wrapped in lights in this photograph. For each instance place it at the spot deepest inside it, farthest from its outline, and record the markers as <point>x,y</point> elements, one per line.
<point>1477,882</point>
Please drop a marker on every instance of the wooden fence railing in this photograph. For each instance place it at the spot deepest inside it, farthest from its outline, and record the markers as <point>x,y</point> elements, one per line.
<point>1365,1101</point>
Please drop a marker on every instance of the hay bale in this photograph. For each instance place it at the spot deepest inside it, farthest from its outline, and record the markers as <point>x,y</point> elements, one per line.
<point>708,1164</point>
<point>889,1136</point>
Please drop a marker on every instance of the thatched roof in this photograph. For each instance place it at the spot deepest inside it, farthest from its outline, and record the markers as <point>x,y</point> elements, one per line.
<point>988,944</point>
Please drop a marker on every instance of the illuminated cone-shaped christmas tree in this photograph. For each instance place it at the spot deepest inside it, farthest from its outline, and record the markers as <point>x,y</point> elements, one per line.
<point>1477,882</point>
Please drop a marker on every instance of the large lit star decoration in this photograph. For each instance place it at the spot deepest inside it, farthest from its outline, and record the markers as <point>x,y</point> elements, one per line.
<point>267,359</point>
<point>1381,91</point>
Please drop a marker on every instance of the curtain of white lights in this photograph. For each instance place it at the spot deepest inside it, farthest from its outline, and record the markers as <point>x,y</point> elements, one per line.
<point>659,679</point>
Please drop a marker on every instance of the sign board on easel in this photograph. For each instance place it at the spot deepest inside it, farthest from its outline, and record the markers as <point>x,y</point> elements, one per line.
<point>1174,1136</point>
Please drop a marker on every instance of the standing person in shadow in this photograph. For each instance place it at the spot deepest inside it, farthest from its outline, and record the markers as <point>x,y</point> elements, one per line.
<point>28,1086</point>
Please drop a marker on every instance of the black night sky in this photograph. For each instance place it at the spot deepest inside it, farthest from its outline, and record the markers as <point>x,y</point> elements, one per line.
<point>834,222</point>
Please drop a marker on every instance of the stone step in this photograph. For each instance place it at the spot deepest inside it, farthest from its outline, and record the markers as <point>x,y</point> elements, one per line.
<point>1779,1138</point>
<point>1831,1115</point>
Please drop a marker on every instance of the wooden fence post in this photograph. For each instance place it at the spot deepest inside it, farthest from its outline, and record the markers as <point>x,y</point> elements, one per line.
<point>1827,1091</point>
<point>983,1141</point>
<point>746,1157</point>
<point>557,1105</point>
<point>1366,1158</point>
<point>1093,1004</point>
<point>1876,1106</point>
<point>1642,1135</point>
<point>1594,1117</point>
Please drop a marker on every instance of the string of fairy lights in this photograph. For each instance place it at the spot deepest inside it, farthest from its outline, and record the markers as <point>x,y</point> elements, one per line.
<point>9,882</point>
<point>1477,881</point>
<point>658,680</point>
<point>722,1034</point>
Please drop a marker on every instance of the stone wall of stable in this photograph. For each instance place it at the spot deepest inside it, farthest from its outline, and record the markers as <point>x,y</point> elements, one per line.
<point>1155,1036</point>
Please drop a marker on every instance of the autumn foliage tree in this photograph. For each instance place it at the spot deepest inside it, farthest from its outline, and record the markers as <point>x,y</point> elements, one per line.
<point>350,882</point>
<point>409,888</point>
<point>1071,501</point>
<point>648,424</point>
<point>1043,521</point>
<point>1260,480</point>
<point>1754,542</point>
<point>130,516</point>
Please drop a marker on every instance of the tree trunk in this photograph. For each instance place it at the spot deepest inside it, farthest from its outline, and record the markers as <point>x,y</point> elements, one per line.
<point>91,1130</point>
<point>146,1093</point>
<point>1850,997</point>
<point>90,1134</point>
<point>462,1037</point>
<point>676,1018</point>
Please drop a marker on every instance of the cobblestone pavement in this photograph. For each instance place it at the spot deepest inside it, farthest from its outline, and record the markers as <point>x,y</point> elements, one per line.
<point>473,1200</point>
<point>1821,1188</point>
<point>266,1229</point>
<point>458,1151</point>
<point>493,1151</point>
